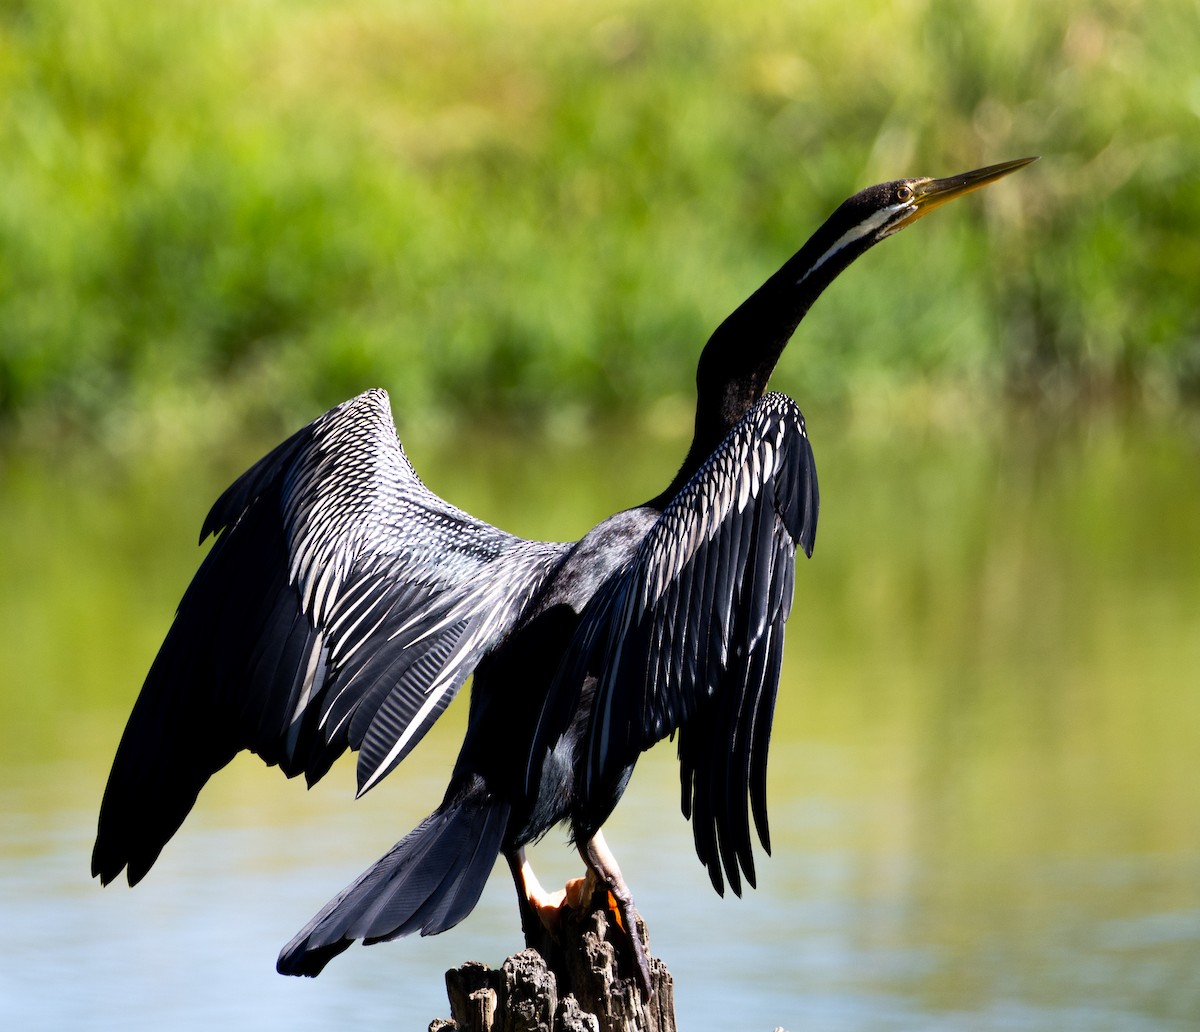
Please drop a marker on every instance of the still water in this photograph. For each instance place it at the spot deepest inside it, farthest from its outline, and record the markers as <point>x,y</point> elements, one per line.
<point>985,780</point>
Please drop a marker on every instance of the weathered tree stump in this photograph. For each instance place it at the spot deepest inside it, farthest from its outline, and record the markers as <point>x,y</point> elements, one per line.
<point>581,978</point>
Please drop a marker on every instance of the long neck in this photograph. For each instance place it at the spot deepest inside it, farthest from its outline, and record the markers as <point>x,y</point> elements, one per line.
<point>740,356</point>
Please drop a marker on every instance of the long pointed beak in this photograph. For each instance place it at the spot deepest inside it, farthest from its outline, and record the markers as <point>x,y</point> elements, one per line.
<point>933,193</point>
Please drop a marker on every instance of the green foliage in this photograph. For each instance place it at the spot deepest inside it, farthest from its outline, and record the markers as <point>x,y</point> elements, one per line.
<point>537,206</point>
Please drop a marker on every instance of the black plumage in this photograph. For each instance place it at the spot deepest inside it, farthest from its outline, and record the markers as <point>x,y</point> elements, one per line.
<point>343,605</point>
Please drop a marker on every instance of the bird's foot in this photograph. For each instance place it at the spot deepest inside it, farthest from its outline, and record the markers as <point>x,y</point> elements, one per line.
<point>602,866</point>
<point>549,906</point>
<point>580,896</point>
<point>630,921</point>
<point>577,893</point>
<point>543,913</point>
<point>542,910</point>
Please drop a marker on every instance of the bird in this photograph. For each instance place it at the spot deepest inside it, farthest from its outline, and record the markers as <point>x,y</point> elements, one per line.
<point>343,604</point>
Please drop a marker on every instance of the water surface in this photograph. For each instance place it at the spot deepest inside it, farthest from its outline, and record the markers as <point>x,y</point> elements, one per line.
<point>984,789</point>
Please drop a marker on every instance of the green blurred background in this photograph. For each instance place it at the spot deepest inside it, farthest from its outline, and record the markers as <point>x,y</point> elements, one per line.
<point>219,219</point>
<point>529,207</point>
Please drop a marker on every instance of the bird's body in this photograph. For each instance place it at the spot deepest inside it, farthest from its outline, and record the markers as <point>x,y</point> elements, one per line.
<point>343,604</point>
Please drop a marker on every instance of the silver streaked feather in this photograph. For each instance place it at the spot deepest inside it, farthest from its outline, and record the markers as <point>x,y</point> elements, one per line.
<point>687,636</point>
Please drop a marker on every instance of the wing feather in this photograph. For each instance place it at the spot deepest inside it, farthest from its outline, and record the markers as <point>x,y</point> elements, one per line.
<point>342,605</point>
<point>689,636</point>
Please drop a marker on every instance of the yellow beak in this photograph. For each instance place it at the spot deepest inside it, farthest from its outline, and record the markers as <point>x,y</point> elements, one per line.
<point>933,193</point>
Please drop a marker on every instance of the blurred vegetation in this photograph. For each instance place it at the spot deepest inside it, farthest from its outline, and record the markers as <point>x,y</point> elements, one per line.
<point>215,208</point>
<point>218,219</point>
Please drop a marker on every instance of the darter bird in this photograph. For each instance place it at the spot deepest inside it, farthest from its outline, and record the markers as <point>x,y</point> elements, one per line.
<point>343,604</point>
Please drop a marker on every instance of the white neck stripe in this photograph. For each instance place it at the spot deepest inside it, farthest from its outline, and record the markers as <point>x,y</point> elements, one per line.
<point>868,227</point>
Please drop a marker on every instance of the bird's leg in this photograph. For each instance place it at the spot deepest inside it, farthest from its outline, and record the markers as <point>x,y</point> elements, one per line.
<point>533,900</point>
<point>541,909</point>
<point>603,865</point>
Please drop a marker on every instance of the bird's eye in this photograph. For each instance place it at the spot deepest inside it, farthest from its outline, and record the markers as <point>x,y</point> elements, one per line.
<point>904,194</point>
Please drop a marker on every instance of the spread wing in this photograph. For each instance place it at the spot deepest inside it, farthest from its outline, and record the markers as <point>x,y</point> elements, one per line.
<point>689,637</point>
<point>342,605</point>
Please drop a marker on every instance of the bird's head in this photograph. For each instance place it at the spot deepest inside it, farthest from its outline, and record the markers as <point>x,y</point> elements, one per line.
<point>879,211</point>
<point>737,361</point>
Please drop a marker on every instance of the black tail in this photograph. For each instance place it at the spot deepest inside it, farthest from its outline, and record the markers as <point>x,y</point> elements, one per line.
<point>428,882</point>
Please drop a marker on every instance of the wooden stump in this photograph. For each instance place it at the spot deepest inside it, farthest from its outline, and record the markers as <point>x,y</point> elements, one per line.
<point>579,979</point>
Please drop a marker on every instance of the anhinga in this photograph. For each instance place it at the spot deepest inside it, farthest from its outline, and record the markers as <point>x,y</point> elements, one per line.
<point>343,605</point>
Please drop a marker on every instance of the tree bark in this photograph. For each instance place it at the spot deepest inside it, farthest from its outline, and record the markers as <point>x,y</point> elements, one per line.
<point>580,978</point>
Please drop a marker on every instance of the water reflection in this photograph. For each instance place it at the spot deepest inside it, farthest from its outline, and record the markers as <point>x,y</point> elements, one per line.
<point>985,803</point>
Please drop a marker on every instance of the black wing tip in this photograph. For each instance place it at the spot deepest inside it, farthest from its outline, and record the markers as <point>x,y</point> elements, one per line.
<point>103,868</point>
<point>719,871</point>
<point>300,959</point>
<point>108,862</point>
<point>107,875</point>
<point>758,805</point>
<point>812,501</point>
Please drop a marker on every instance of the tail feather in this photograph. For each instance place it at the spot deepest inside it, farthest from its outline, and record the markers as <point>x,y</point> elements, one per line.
<point>428,882</point>
<point>458,899</point>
